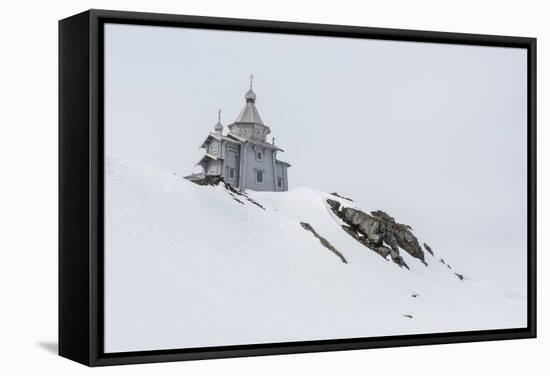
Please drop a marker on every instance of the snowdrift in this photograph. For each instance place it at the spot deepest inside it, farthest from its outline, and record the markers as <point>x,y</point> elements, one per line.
<point>193,266</point>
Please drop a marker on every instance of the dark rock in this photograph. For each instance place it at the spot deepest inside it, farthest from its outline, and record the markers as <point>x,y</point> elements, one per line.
<point>233,192</point>
<point>408,316</point>
<point>409,243</point>
<point>323,241</point>
<point>383,216</point>
<point>255,202</point>
<point>405,238</point>
<point>208,180</point>
<point>217,179</point>
<point>382,251</point>
<point>429,249</point>
<point>379,231</point>
<point>460,276</point>
<point>391,240</point>
<point>415,295</point>
<point>396,257</point>
<point>344,197</point>
<point>335,205</point>
<point>356,217</point>
<point>375,238</point>
<point>361,239</point>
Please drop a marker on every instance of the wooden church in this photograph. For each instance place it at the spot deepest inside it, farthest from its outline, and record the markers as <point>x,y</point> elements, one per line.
<point>242,156</point>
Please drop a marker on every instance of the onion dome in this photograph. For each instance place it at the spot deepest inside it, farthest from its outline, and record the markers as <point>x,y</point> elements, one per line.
<point>250,96</point>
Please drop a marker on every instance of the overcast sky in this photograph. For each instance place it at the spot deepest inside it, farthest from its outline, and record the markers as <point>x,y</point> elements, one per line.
<point>433,134</point>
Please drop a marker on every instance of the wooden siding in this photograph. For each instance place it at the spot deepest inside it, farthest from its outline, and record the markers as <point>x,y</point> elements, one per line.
<point>245,169</point>
<point>214,168</point>
<point>231,155</point>
<point>214,148</point>
<point>253,165</point>
<point>281,170</point>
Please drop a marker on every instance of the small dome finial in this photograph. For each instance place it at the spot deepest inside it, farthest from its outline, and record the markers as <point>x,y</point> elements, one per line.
<point>250,96</point>
<point>219,127</point>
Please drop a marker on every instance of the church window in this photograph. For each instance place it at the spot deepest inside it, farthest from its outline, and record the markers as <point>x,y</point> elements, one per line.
<point>279,182</point>
<point>231,173</point>
<point>213,148</point>
<point>259,177</point>
<point>259,155</point>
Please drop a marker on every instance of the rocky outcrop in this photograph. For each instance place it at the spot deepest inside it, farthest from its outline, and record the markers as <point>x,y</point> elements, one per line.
<point>323,241</point>
<point>340,196</point>
<point>208,180</point>
<point>444,263</point>
<point>399,235</point>
<point>234,193</point>
<point>429,249</point>
<point>379,232</point>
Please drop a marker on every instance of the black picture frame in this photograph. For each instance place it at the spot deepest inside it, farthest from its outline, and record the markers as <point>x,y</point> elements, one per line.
<point>81,186</point>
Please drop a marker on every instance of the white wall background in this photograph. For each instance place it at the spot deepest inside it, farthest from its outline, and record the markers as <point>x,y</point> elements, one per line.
<point>28,199</point>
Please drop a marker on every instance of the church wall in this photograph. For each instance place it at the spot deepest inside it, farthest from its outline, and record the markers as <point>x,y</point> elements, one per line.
<point>213,148</point>
<point>285,176</point>
<point>254,132</point>
<point>231,155</point>
<point>265,165</point>
<point>214,168</point>
<point>281,170</point>
<point>243,130</point>
<point>259,133</point>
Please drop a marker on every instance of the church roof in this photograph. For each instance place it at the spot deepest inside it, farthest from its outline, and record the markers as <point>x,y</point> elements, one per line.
<point>283,162</point>
<point>207,157</point>
<point>210,135</point>
<point>254,142</point>
<point>249,114</point>
<point>237,139</point>
<point>219,137</point>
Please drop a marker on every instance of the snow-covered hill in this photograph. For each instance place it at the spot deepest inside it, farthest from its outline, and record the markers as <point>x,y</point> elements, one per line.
<point>192,266</point>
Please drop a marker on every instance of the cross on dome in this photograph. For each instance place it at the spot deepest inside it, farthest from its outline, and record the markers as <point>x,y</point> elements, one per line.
<point>250,96</point>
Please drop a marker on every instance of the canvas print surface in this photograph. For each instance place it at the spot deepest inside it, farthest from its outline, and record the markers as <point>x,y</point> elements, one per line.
<point>265,188</point>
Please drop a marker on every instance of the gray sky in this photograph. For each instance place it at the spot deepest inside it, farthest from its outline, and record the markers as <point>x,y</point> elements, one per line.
<point>433,134</point>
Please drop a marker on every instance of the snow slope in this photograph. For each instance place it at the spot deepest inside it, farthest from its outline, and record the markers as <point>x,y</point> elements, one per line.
<point>189,266</point>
